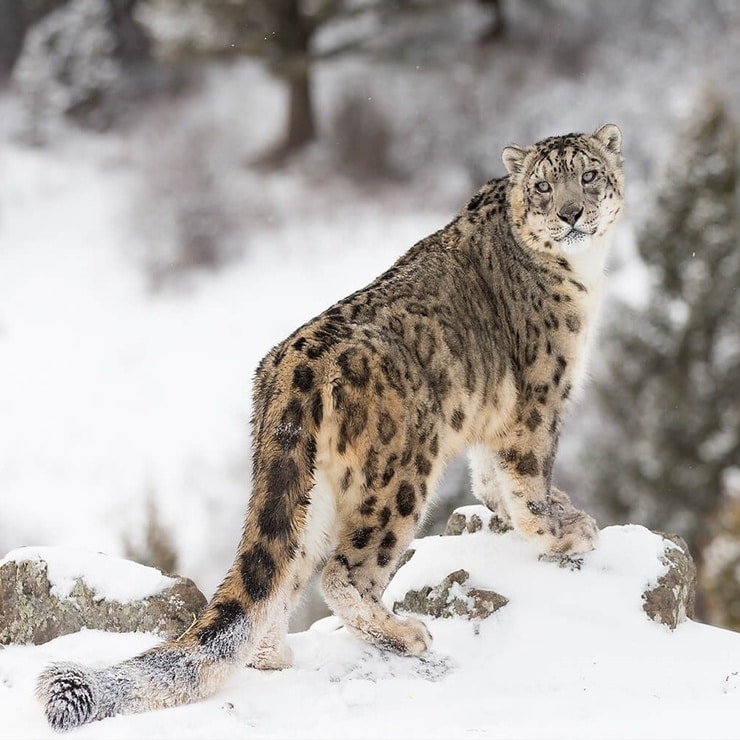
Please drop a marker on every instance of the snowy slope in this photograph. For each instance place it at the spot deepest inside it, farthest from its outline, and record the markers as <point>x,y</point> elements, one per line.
<point>571,656</point>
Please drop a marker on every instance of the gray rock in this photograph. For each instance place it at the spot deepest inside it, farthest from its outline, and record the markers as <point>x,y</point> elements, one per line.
<point>470,519</point>
<point>31,612</point>
<point>672,601</point>
<point>452,598</point>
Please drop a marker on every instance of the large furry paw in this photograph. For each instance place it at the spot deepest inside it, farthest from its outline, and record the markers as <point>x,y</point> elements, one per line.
<point>577,532</point>
<point>68,693</point>
<point>556,527</point>
<point>405,637</point>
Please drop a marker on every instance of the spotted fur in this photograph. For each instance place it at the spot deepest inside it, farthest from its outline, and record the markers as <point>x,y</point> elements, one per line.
<point>475,338</point>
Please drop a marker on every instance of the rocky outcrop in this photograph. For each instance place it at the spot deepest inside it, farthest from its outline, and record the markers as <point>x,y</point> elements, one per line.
<point>34,609</point>
<point>670,601</point>
<point>472,519</point>
<point>453,597</point>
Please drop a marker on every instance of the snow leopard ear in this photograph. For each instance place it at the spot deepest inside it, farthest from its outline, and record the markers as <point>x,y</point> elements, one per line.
<point>610,137</point>
<point>513,158</point>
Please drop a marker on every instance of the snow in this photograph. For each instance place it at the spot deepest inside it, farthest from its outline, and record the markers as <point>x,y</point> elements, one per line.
<point>111,394</point>
<point>572,655</point>
<point>111,578</point>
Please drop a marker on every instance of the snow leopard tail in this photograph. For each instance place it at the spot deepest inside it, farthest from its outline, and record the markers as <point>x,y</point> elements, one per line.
<point>249,602</point>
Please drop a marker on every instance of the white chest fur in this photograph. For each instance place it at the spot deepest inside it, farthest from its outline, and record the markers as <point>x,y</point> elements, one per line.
<point>589,268</point>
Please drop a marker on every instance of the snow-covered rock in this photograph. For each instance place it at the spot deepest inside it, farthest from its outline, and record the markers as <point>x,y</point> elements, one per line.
<point>46,592</point>
<point>471,519</point>
<point>672,600</point>
<point>452,597</point>
<point>477,585</point>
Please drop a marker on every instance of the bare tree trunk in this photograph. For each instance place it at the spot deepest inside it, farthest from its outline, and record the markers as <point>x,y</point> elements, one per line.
<point>301,128</point>
<point>292,64</point>
<point>497,29</point>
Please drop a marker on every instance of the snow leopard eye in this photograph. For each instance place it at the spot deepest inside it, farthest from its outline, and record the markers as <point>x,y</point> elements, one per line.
<point>542,186</point>
<point>588,176</point>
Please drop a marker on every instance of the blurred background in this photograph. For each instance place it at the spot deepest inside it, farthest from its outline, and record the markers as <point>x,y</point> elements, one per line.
<point>184,182</point>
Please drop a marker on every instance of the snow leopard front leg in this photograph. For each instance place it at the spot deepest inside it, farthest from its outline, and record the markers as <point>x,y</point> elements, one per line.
<point>519,472</point>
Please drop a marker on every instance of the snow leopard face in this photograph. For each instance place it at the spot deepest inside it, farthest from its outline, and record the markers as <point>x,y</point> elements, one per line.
<point>566,191</point>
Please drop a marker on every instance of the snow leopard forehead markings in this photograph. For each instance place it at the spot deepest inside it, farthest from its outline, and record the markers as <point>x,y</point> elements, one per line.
<point>564,155</point>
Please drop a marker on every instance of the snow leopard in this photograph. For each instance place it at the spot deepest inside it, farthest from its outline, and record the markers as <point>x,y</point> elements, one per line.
<point>475,339</point>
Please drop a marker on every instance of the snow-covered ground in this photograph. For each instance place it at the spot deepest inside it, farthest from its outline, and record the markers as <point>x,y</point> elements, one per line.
<point>572,655</point>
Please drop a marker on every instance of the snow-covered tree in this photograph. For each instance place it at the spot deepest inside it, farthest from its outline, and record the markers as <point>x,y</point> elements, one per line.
<point>85,60</point>
<point>670,399</point>
<point>293,36</point>
<point>16,17</point>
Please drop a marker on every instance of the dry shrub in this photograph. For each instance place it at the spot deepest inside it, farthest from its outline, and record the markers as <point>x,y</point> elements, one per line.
<point>155,546</point>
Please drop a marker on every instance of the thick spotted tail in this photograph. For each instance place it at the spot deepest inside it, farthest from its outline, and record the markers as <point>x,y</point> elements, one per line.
<point>168,675</point>
<point>177,672</point>
<point>243,622</point>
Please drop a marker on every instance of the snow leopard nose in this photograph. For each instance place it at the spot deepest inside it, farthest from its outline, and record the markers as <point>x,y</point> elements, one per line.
<point>570,213</point>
